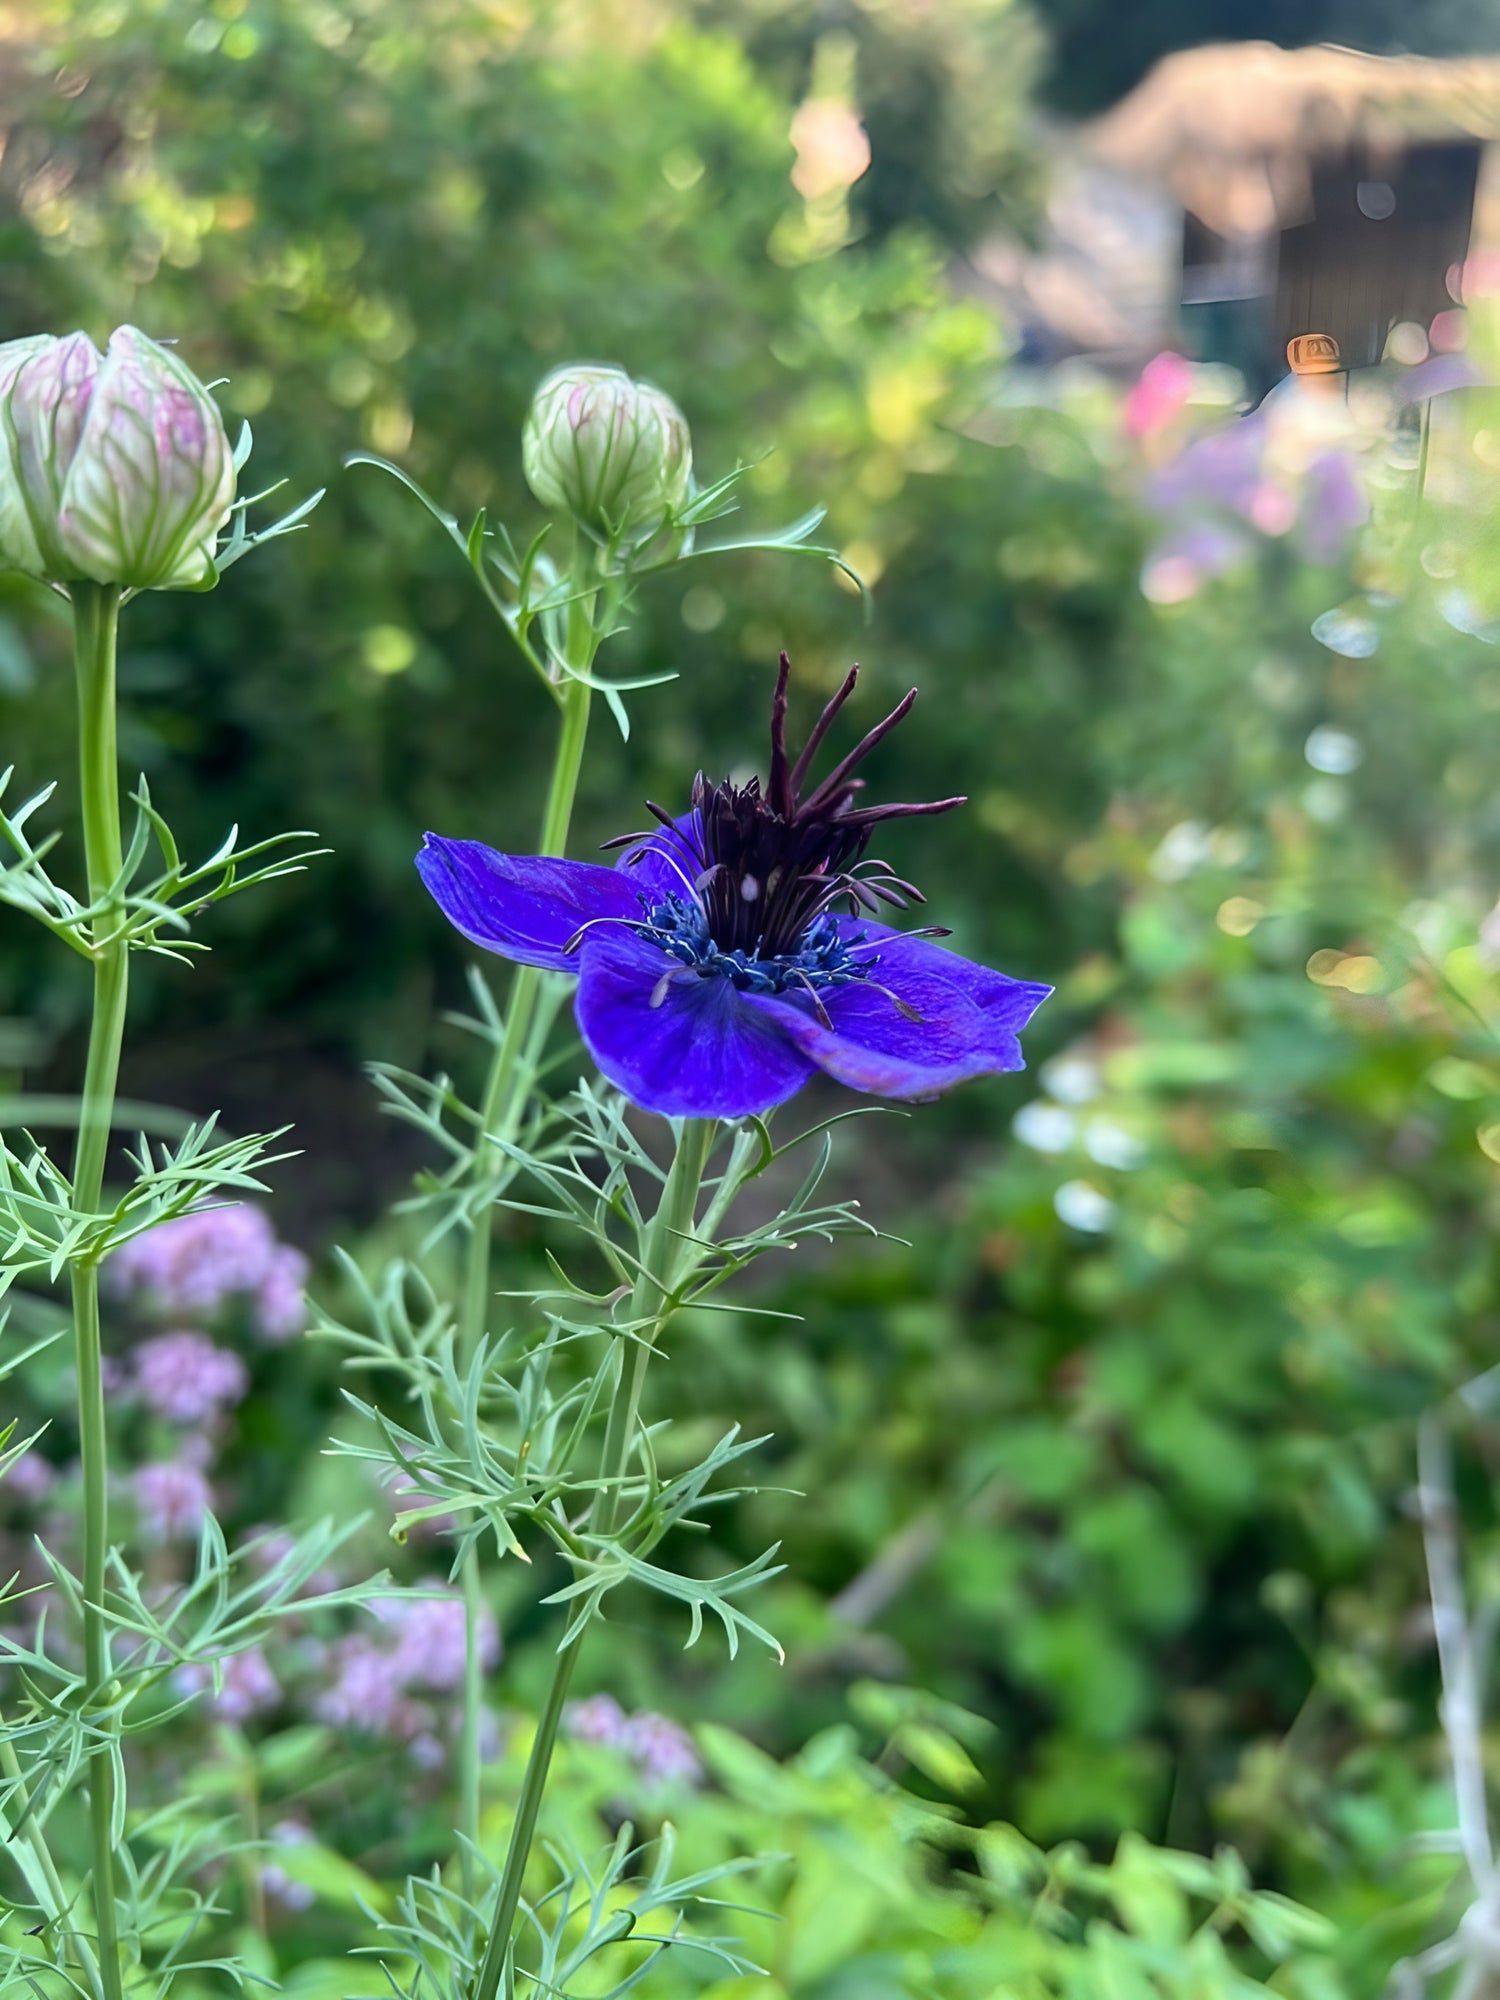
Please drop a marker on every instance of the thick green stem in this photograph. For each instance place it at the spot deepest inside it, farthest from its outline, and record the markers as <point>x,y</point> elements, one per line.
<point>95,616</point>
<point>505,1092</point>
<point>667,1255</point>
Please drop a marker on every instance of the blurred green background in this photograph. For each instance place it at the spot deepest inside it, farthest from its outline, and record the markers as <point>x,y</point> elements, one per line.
<point>1124,1472</point>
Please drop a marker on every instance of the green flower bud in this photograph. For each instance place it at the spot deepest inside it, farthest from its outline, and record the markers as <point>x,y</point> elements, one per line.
<point>613,453</point>
<point>114,467</point>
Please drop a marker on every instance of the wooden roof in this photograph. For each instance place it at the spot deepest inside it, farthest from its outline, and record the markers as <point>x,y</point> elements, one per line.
<point>1232,129</point>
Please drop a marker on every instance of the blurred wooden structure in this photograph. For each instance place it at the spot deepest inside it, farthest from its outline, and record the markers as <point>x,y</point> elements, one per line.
<point>1321,190</point>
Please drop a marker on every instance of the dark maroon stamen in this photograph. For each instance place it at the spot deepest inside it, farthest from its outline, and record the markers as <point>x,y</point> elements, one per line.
<point>767,865</point>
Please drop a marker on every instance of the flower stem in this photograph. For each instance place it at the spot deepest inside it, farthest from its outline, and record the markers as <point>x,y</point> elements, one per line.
<point>96,610</point>
<point>506,1089</point>
<point>667,1255</point>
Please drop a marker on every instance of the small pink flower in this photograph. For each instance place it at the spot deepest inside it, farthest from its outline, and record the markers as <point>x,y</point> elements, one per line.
<point>278,1885</point>
<point>663,1750</point>
<point>186,1379</point>
<point>280,1300</point>
<point>30,1479</point>
<point>429,1632</point>
<point>427,1752</point>
<point>247,1685</point>
<point>368,1691</point>
<point>173,1499</point>
<point>1161,391</point>
<point>598,1718</point>
<point>196,1265</point>
<point>1272,508</point>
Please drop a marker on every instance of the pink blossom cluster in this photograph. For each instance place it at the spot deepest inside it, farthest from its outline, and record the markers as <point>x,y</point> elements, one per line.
<point>171,1497</point>
<point>418,1649</point>
<point>247,1686</point>
<point>196,1265</point>
<point>1287,468</point>
<point>186,1379</point>
<point>274,1879</point>
<point>29,1479</point>
<point>661,1749</point>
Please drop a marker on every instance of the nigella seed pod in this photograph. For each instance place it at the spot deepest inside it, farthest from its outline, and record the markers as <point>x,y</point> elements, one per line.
<point>114,467</point>
<point>614,453</point>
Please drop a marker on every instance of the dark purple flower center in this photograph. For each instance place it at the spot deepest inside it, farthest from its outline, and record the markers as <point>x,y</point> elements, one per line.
<point>764,870</point>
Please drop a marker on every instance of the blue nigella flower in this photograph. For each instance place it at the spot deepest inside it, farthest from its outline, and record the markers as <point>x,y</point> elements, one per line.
<point>731,953</point>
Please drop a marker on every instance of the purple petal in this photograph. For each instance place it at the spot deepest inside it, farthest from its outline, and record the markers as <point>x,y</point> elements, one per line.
<point>687,1048</point>
<point>526,907</point>
<point>970,1018</point>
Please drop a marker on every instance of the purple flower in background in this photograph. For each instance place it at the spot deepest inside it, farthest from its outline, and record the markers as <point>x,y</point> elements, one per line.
<point>274,1879</point>
<point>185,1378</point>
<point>1182,562</point>
<point>728,958</point>
<point>193,1266</point>
<point>196,1263</point>
<point>29,1480</point>
<point>599,1718</point>
<point>368,1690</point>
<point>428,1752</point>
<point>429,1635</point>
<point>280,1300</point>
<point>1334,504</point>
<point>173,1499</point>
<point>421,1647</point>
<point>247,1685</point>
<point>663,1750</point>
<point>1222,468</point>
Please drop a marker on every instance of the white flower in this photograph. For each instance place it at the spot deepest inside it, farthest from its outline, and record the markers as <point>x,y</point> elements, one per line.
<point>1111,1145</point>
<point>1046,1128</point>
<point>1334,751</point>
<point>1082,1206</point>
<point>1185,847</point>
<point>1072,1079</point>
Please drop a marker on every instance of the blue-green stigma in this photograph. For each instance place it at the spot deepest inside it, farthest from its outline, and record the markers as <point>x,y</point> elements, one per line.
<point>822,957</point>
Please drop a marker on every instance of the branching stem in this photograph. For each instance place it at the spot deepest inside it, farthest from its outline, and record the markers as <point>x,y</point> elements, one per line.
<point>668,1255</point>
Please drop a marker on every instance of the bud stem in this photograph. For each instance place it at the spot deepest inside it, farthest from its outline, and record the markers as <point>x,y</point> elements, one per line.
<point>96,610</point>
<point>505,1092</point>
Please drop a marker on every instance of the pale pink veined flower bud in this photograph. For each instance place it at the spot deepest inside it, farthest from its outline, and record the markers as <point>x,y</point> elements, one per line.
<point>614,453</point>
<point>114,468</point>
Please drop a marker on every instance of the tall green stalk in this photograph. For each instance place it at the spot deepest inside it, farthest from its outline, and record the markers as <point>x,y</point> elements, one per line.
<point>506,1090</point>
<point>667,1255</point>
<point>96,610</point>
